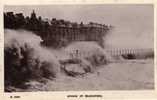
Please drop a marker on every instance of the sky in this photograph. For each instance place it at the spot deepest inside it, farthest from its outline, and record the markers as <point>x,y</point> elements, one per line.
<point>133,24</point>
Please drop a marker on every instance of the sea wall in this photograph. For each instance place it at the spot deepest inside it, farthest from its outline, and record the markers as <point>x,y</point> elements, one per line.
<point>56,33</point>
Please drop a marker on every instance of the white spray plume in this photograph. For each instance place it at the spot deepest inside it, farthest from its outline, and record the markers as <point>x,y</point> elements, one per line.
<point>21,39</point>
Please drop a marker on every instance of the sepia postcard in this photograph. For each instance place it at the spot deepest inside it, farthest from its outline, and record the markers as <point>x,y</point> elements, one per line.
<point>54,50</point>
